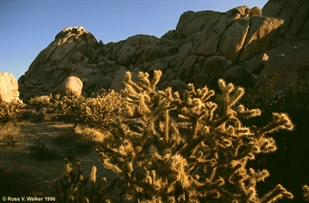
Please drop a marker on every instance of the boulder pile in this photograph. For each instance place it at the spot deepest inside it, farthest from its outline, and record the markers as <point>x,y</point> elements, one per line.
<point>205,46</point>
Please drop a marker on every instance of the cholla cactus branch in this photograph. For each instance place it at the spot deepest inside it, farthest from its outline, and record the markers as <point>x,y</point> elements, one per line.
<point>189,149</point>
<point>71,186</point>
<point>280,121</point>
<point>277,193</point>
<point>306,192</point>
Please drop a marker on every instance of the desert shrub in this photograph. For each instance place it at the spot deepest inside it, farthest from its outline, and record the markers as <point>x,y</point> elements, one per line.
<point>99,110</point>
<point>39,151</point>
<point>89,137</point>
<point>263,96</point>
<point>9,111</point>
<point>67,138</point>
<point>87,133</point>
<point>34,116</point>
<point>71,186</point>
<point>299,93</point>
<point>10,134</point>
<point>268,98</point>
<point>27,114</point>
<point>67,107</point>
<point>39,102</point>
<point>81,140</point>
<point>199,156</point>
<point>96,111</point>
<point>44,108</point>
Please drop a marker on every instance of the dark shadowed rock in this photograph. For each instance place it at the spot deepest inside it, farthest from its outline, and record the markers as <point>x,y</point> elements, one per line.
<point>294,63</point>
<point>295,16</point>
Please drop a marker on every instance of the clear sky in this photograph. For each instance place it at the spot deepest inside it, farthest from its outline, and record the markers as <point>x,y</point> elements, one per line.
<point>29,26</point>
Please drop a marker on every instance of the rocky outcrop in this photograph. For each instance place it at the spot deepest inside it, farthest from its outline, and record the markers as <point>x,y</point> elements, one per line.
<point>288,55</point>
<point>8,87</point>
<point>70,54</point>
<point>205,46</point>
<point>295,16</point>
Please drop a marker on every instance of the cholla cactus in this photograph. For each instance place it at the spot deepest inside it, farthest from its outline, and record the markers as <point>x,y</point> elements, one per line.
<point>168,148</point>
<point>71,186</point>
<point>306,192</point>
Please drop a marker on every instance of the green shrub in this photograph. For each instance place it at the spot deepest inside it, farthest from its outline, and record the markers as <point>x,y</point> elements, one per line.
<point>10,134</point>
<point>199,156</point>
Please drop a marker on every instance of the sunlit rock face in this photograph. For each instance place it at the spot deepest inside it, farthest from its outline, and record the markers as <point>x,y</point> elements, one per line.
<point>70,54</point>
<point>205,46</point>
<point>69,86</point>
<point>8,87</point>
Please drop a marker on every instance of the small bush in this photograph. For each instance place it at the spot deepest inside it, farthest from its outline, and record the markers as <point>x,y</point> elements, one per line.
<point>27,114</point>
<point>87,133</point>
<point>33,115</point>
<point>81,140</point>
<point>40,102</point>
<point>10,134</point>
<point>40,152</point>
<point>9,111</point>
<point>68,107</point>
<point>267,97</point>
<point>96,111</point>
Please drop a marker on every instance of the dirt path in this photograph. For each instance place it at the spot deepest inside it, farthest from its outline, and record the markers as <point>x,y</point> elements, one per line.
<point>19,159</point>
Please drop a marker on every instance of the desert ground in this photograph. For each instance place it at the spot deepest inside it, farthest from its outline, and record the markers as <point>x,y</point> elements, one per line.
<point>36,176</point>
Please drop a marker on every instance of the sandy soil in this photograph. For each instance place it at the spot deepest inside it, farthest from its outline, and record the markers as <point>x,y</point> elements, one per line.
<point>45,172</point>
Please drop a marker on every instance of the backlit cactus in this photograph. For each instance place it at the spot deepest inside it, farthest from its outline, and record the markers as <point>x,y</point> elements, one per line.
<point>168,148</point>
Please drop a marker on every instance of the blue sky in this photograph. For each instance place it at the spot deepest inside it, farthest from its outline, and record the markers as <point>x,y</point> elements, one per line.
<point>29,26</point>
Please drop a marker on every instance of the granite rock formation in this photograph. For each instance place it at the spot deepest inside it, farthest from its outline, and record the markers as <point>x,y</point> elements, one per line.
<point>205,46</point>
<point>70,86</point>
<point>8,87</point>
